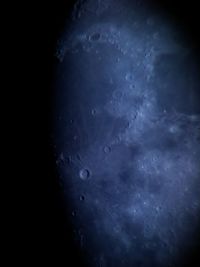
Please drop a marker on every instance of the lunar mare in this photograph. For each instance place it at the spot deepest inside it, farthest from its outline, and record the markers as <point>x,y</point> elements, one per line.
<point>131,153</point>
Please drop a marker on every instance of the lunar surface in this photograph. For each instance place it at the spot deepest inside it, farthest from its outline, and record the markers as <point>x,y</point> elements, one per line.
<point>127,134</point>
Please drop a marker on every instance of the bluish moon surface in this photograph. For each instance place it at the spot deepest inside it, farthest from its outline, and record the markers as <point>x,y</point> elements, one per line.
<point>127,134</point>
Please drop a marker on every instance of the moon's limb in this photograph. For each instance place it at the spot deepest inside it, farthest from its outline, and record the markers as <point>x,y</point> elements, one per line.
<point>133,145</point>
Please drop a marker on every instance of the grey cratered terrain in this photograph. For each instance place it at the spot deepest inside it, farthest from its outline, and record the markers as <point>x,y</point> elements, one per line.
<point>127,134</point>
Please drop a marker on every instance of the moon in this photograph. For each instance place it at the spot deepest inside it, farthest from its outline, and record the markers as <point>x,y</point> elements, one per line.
<point>126,131</point>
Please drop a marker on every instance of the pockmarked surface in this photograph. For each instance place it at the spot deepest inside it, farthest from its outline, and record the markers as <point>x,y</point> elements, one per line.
<point>127,134</point>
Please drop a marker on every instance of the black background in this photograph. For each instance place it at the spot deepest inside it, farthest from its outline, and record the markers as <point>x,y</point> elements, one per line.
<point>49,235</point>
